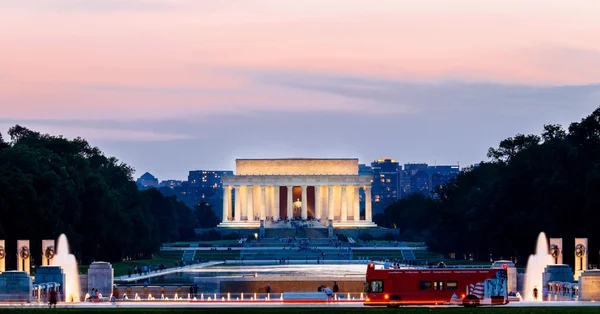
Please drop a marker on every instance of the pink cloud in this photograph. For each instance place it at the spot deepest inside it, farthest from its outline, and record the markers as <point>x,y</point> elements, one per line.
<point>51,53</point>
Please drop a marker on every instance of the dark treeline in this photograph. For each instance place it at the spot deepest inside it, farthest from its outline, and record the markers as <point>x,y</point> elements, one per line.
<point>532,183</point>
<point>51,185</point>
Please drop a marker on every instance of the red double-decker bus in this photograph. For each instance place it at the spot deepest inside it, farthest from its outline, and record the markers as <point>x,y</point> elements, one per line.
<point>437,285</point>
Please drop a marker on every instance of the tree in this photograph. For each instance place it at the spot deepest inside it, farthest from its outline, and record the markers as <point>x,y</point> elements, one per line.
<point>205,216</point>
<point>51,185</point>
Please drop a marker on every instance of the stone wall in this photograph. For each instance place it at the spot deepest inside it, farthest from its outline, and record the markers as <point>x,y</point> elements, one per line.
<point>282,284</point>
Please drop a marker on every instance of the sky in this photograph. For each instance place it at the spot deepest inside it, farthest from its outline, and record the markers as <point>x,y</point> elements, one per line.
<point>169,86</point>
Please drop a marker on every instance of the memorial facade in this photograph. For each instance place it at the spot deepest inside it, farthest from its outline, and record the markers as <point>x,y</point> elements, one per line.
<point>277,192</point>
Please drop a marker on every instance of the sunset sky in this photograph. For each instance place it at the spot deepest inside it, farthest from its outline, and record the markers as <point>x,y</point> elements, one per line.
<point>169,86</point>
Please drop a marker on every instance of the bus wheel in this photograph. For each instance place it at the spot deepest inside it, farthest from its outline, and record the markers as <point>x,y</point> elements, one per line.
<point>470,301</point>
<point>394,301</point>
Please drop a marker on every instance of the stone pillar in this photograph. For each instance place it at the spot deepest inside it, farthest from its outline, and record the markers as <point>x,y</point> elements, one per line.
<point>581,257</point>
<point>2,256</point>
<point>238,204</point>
<point>304,203</point>
<point>226,202</point>
<point>344,204</point>
<point>276,203</point>
<point>48,251</point>
<point>318,202</point>
<point>556,250</point>
<point>356,204</point>
<point>331,201</point>
<point>290,202</point>
<point>263,202</point>
<point>101,276</point>
<point>250,202</point>
<point>23,256</point>
<point>368,214</point>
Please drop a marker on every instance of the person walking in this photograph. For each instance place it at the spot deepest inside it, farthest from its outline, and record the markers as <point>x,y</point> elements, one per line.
<point>53,298</point>
<point>336,288</point>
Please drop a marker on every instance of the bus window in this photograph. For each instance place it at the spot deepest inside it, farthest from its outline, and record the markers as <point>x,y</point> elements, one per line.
<point>425,285</point>
<point>438,285</point>
<point>451,285</point>
<point>376,286</point>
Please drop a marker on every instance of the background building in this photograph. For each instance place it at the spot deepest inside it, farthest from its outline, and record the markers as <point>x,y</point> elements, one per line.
<point>424,179</point>
<point>385,183</point>
<point>147,181</point>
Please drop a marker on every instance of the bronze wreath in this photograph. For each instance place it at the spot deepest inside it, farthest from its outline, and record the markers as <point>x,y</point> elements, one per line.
<point>24,253</point>
<point>579,250</point>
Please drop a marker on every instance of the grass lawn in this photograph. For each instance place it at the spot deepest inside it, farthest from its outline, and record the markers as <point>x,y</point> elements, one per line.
<point>257,310</point>
<point>194,243</point>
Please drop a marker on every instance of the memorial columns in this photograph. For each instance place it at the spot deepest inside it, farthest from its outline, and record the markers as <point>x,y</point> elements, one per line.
<point>304,203</point>
<point>238,208</point>
<point>250,202</point>
<point>290,203</point>
<point>268,201</point>
<point>226,202</point>
<point>262,201</point>
<point>368,214</point>
<point>331,201</point>
<point>356,203</point>
<point>344,204</point>
<point>276,204</point>
<point>318,202</point>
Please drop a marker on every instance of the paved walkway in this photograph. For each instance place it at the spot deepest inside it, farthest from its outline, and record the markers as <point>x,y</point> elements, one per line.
<point>172,270</point>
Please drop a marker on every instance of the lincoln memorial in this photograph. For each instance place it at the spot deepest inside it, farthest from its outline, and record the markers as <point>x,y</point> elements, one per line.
<point>278,192</point>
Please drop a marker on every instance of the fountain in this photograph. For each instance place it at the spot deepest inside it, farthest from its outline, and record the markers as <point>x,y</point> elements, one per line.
<point>67,262</point>
<point>535,268</point>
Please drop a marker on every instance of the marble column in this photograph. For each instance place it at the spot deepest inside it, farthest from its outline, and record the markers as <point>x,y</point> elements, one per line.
<point>318,202</point>
<point>268,201</point>
<point>276,204</point>
<point>250,202</point>
<point>331,201</point>
<point>356,203</point>
<point>290,202</point>
<point>304,203</point>
<point>226,202</point>
<point>263,202</point>
<point>368,214</point>
<point>344,204</point>
<point>238,204</point>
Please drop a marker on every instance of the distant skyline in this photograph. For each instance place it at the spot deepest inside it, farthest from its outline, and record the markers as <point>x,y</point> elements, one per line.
<point>169,86</point>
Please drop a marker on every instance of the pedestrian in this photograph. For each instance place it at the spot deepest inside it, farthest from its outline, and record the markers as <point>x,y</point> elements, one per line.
<point>328,292</point>
<point>336,288</point>
<point>268,289</point>
<point>53,298</point>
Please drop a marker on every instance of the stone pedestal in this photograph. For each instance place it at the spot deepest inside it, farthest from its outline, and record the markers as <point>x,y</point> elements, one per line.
<point>48,251</point>
<point>101,276</point>
<point>15,286</point>
<point>589,285</point>
<point>50,274</point>
<point>23,256</point>
<point>2,256</point>
<point>560,272</point>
